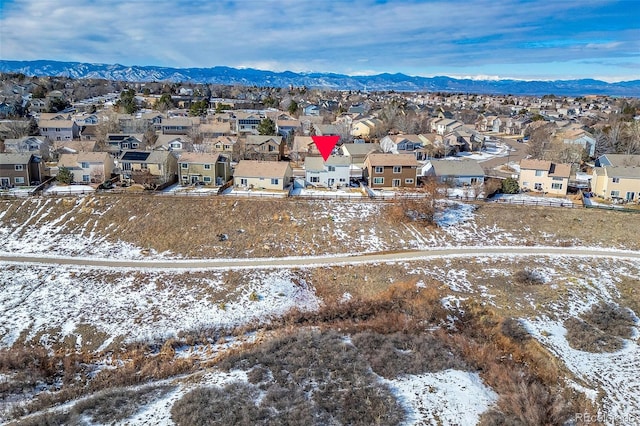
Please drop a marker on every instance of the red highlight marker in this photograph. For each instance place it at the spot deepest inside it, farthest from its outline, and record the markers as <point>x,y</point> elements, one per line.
<point>325,144</point>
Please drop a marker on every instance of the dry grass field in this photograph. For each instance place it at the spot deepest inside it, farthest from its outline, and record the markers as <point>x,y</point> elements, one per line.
<point>542,338</point>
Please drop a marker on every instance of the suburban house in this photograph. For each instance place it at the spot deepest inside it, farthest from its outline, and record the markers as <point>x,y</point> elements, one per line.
<point>254,174</point>
<point>20,169</point>
<point>391,170</point>
<point>443,126</point>
<point>457,172</point>
<point>222,144</point>
<point>88,167</point>
<point>176,126</point>
<point>170,143</point>
<point>334,172</point>
<point>302,145</point>
<point>618,160</point>
<point>311,110</point>
<point>264,147</point>
<point>247,123</point>
<point>154,169</point>
<point>617,182</point>
<point>214,130</point>
<point>25,144</point>
<point>358,152</point>
<point>582,138</point>
<point>326,130</point>
<point>118,142</point>
<point>287,127</point>
<point>401,143</point>
<point>544,176</point>
<point>365,128</point>
<point>59,129</point>
<point>210,169</point>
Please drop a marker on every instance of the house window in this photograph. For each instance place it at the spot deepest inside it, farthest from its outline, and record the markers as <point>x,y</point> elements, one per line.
<point>397,169</point>
<point>616,180</point>
<point>343,180</point>
<point>243,182</point>
<point>539,172</point>
<point>207,166</point>
<point>135,145</point>
<point>314,179</point>
<point>57,129</point>
<point>272,148</point>
<point>184,165</point>
<point>378,181</point>
<point>207,179</point>
<point>19,167</point>
<point>615,193</point>
<point>378,169</point>
<point>19,180</point>
<point>408,181</point>
<point>556,186</point>
<point>86,178</point>
<point>84,165</point>
<point>144,166</point>
<point>557,178</point>
<point>275,181</point>
<point>185,177</point>
<point>630,196</point>
<point>126,166</point>
<point>125,146</point>
<point>537,186</point>
<point>331,168</point>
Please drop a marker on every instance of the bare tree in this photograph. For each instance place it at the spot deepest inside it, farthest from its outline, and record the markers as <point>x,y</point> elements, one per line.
<point>539,143</point>
<point>632,139</point>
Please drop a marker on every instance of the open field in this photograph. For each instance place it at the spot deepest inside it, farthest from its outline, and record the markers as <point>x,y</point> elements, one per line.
<point>419,334</point>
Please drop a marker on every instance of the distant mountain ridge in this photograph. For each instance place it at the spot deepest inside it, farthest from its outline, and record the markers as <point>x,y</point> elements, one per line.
<point>379,82</point>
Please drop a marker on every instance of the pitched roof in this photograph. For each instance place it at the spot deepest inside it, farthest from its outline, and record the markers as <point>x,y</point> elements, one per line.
<point>260,139</point>
<point>554,169</point>
<point>60,124</point>
<point>622,172</point>
<point>457,168</point>
<point>621,160</point>
<point>199,158</point>
<point>72,160</point>
<point>261,169</point>
<point>317,163</point>
<point>15,158</point>
<point>389,160</point>
<point>359,149</point>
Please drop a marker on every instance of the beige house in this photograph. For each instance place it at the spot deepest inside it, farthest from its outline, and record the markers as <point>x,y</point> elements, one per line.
<point>210,169</point>
<point>391,170</point>
<point>253,174</point>
<point>88,167</point>
<point>616,182</point>
<point>154,169</point>
<point>544,176</point>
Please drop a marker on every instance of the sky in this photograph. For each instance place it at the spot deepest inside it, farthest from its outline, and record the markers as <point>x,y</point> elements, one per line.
<point>521,39</point>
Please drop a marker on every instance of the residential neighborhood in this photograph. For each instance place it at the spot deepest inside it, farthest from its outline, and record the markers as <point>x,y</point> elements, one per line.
<point>552,146</point>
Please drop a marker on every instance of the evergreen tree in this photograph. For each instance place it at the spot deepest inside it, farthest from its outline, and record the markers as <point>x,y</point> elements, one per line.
<point>267,127</point>
<point>510,186</point>
<point>64,176</point>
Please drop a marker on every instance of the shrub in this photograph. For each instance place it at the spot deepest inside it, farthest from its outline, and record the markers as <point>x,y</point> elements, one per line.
<point>529,277</point>
<point>510,186</point>
<point>513,329</point>
<point>611,319</point>
<point>585,337</point>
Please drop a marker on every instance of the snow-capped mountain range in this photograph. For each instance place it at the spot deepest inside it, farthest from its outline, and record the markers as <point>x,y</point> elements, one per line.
<point>249,76</point>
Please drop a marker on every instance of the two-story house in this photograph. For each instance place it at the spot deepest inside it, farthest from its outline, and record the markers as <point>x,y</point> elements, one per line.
<point>210,169</point>
<point>271,175</point>
<point>20,169</point>
<point>264,147</point>
<point>88,167</point>
<point>59,130</point>
<point>391,170</point>
<point>400,143</point>
<point>247,123</point>
<point>25,144</point>
<point>617,177</point>
<point>544,176</point>
<point>335,172</point>
<point>153,169</point>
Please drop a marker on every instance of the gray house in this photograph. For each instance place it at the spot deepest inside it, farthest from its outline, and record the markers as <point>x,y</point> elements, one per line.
<point>458,172</point>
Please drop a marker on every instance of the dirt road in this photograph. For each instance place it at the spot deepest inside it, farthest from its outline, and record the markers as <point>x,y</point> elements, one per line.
<point>318,261</point>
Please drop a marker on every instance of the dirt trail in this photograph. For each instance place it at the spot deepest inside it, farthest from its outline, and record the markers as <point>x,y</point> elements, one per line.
<point>318,261</point>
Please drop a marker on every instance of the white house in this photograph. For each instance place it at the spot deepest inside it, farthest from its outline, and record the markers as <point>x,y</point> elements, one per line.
<point>331,173</point>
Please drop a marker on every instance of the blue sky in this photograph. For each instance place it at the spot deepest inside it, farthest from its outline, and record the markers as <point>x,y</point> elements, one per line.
<point>489,39</point>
